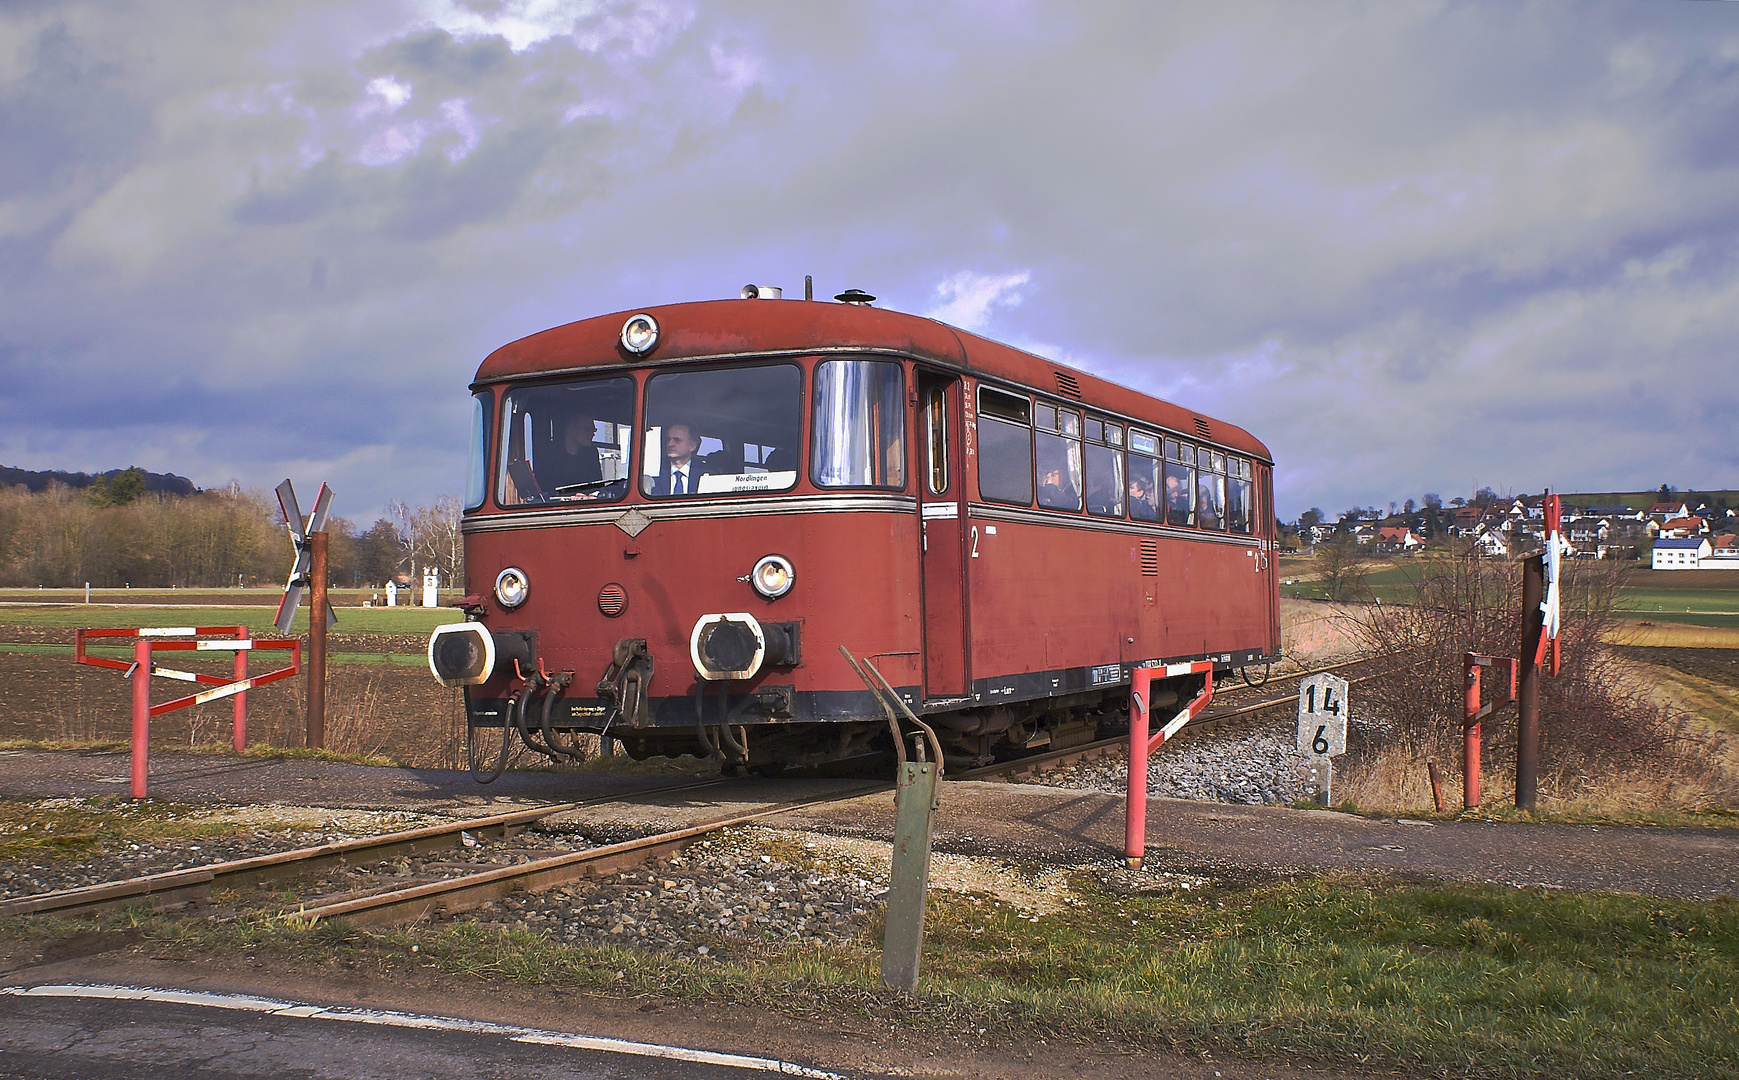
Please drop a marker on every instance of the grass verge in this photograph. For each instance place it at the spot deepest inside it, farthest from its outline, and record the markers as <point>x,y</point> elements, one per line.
<point>1463,979</point>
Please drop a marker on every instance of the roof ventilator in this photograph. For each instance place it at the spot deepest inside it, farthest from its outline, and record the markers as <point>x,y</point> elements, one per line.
<point>1067,386</point>
<point>1202,428</point>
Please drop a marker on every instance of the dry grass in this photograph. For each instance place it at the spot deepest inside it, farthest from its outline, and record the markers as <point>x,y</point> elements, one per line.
<point>1672,635</point>
<point>1315,632</point>
<point>1391,781</point>
<point>1609,741</point>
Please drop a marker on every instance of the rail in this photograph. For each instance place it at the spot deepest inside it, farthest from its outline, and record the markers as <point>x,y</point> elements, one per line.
<point>173,887</point>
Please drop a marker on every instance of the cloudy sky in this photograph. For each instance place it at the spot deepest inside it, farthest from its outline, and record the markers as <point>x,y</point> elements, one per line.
<point>1414,246</point>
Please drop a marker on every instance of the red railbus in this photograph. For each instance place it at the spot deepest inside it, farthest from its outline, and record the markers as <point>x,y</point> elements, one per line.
<point>675,517</point>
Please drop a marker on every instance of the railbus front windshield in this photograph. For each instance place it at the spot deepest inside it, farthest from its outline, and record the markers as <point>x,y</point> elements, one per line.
<point>716,431</point>
<point>567,441</point>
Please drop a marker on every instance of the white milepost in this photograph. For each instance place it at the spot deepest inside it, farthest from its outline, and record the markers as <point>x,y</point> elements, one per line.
<point>1322,727</point>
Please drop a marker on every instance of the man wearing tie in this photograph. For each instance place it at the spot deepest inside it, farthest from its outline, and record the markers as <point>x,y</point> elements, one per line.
<point>681,471</point>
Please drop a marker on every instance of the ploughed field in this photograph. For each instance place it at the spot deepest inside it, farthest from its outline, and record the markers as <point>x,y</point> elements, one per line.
<point>381,700</point>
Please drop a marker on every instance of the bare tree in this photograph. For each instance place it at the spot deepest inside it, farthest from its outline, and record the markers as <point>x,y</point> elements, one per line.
<point>1341,565</point>
<point>432,536</point>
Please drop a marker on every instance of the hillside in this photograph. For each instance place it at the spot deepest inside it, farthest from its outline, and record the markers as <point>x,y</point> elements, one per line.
<point>167,483</point>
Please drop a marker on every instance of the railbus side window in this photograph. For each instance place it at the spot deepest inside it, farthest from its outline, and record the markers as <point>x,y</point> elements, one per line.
<point>1238,504</point>
<point>936,438</point>
<point>859,433</point>
<point>1180,483</point>
<point>1005,447</point>
<point>1210,489</point>
<point>1144,478</point>
<point>1105,484</point>
<point>1057,457</point>
<point>477,455</point>
<point>566,442</point>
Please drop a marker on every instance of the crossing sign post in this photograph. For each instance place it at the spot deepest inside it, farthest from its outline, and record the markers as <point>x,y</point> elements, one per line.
<point>308,574</point>
<point>1322,727</point>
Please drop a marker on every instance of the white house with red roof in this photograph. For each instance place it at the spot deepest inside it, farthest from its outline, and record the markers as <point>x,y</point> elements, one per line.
<point>1398,540</point>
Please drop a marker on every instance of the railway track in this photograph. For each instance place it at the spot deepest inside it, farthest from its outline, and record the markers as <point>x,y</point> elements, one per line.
<point>194,885</point>
<point>1214,718</point>
<point>451,895</point>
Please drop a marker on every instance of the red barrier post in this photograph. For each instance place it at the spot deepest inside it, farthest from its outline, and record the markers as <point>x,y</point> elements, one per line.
<point>1470,736</point>
<point>1135,825</point>
<point>317,643</point>
<point>241,700</point>
<point>141,715</point>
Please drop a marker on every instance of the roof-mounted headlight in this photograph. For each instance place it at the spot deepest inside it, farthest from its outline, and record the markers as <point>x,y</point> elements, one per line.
<point>773,576</point>
<point>512,587</point>
<point>640,333</point>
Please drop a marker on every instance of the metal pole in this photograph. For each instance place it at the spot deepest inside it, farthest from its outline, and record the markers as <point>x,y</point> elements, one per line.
<point>1528,694</point>
<point>240,728</point>
<point>909,880</point>
<point>317,643</point>
<point>1135,824</point>
<point>1470,736</point>
<point>141,715</point>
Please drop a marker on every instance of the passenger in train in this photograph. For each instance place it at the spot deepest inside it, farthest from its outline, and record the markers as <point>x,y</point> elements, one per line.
<point>1056,492</point>
<point>682,470</point>
<point>1177,498</point>
<point>1141,506</point>
<point>1208,489</point>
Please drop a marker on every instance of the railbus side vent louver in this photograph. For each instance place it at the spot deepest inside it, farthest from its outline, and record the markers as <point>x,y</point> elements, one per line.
<point>1067,386</point>
<point>1150,558</point>
<point>612,600</point>
<point>1202,428</point>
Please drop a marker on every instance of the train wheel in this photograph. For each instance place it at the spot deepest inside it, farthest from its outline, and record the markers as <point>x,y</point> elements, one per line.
<point>1267,670</point>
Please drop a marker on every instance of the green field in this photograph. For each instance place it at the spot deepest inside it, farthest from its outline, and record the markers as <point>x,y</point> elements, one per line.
<point>1696,598</point>
<point>125,652</point>
<point>351,620</point>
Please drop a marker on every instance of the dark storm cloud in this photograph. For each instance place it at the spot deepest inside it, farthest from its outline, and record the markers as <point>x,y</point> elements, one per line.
<point>1411,245</point>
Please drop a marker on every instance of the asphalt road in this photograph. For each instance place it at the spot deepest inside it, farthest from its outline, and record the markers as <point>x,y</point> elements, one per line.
<point>101,1038</point>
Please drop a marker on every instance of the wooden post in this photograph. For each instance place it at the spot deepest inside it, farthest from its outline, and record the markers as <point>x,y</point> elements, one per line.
<point>317,643</point>
<point>1528,694</point>
<point>908,886</point>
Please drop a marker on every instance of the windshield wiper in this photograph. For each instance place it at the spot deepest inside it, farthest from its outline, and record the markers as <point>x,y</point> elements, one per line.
<point>568,488</point>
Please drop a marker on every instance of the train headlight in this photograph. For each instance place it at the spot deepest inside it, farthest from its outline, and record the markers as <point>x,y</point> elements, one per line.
<point>640,333</point>
<point>511,587</point>
<point>773,576</point>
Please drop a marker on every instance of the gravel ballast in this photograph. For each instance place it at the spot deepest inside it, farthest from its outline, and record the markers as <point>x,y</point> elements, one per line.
<point>1248,762</point>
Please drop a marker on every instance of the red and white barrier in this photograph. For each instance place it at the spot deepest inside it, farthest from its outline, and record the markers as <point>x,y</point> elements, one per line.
<point>184,639</point>
<point>1141,744</point>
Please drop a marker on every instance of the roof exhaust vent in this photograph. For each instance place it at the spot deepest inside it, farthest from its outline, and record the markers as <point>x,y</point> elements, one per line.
<point>761,292</point>
<point>855,296</point>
